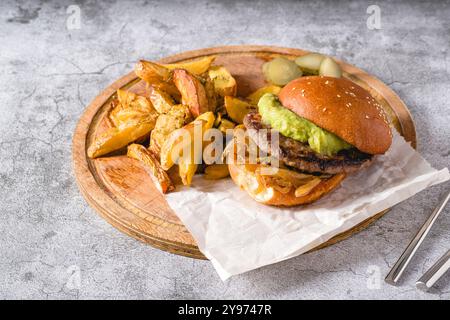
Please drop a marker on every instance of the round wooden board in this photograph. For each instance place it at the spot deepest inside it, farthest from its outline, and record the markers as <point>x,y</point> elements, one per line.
<point>123,193</point>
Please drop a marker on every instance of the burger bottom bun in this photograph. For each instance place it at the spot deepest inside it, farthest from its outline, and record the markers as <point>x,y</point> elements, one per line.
<point>248,181</point>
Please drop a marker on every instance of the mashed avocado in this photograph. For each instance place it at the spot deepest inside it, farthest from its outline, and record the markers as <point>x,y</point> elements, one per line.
<point>291,125</point>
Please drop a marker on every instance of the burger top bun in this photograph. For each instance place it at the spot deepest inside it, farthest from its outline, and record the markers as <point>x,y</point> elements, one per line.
<point>341,107</point>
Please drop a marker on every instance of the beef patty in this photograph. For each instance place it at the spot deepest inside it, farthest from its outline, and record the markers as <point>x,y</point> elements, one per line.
<point>299,155</point>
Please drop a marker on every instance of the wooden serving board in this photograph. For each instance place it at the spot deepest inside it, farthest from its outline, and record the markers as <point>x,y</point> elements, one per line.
<point>123,193</point>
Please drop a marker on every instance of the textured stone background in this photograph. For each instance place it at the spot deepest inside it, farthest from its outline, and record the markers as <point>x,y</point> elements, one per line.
<point>53,245</point>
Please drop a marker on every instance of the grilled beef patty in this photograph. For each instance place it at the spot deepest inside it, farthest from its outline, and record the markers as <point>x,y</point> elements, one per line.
<point>299,155</point>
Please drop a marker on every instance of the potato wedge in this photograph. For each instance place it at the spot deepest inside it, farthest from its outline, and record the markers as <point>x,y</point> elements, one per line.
<point>209,118</point>
<point>224,83</point>
<point>152,72</point>
<point>226,125</point>
<point>176,142</point>
<point>118,137</point>
<point>161,100</point>
<point>131,107</point>
<point>193,93</point>
<point>237,108</point>
<point>216,172</point>
<point>254,97</point>
<point>169,88</point>
<point>211,94</point>
<point>183,139</point>
<point>176,118</point>
<point>160,178</point>
<point>196,67</point>
<point>186,170</point>
<point>174,174</point>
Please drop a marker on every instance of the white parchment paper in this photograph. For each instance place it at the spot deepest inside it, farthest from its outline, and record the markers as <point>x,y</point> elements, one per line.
<point>238,234</point>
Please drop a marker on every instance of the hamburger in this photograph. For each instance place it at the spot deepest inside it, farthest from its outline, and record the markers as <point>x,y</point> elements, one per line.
<point>328,128</point>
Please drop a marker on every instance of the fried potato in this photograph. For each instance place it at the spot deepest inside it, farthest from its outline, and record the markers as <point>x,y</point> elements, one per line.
<point>160,178</point>
<point>169,88</point>
<point>131,107</point>
<point>161,100</point>
<point>224,83</point>
<point>211,94</point>
<point>152,72</point>
<point>237,108</point>
<point>176,142</point>
<point>196,67</point>
<point>254,97</point>
<point>209,118</point>
<point>174,174</point>
<point>193,93</point>
<point>225,125</point>
<point>118,137</point>
<point>183,139</point>
<point>216,171</point>
<point>177,117</point>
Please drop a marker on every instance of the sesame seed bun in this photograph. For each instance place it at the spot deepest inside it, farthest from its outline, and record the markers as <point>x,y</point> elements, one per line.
<point>247,180</point>
<point>342,107</point>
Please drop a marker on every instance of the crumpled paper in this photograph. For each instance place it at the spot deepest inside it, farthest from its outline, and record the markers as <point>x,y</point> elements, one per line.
<point>238,234</point>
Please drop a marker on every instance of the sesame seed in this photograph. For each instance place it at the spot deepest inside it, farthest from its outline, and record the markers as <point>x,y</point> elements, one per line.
<point>324,109</point>
<point>338,95</point>
<point>352,87</point>
<point>327,82</point>
<point>367,117</point>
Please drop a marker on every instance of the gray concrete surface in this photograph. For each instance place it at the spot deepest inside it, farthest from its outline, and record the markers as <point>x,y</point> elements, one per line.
<point>53,245</point>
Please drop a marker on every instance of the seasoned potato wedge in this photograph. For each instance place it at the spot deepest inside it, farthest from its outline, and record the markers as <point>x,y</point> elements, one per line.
<point>169,88</point>
<point>254,97</point>
<point>176,141</point>
<point>181,140</point>
<point>177,117</point>
<point>211,94</point>
<point>118,137</point>
<point>193,93</point>
<point>196,67</point>
<point>161,100</point>
<point>237,108</point>
<point>174,174</point>
<point>209,118</point>
<point>216,172</point>
<point>225,125</point>
<point>224,83</point>
<point>131,107</point>
<point>152,72</point>
<point>160,178</point>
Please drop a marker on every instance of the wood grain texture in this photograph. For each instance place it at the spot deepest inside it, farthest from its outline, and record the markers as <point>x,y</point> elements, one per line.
<point>122,192</point>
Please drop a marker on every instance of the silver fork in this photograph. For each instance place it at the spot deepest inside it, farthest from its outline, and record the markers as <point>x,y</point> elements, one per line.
<point>400,266</point>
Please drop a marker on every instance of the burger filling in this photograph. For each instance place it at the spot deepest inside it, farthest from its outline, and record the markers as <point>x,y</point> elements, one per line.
<point>291,125</point>
<point>301,145</point>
